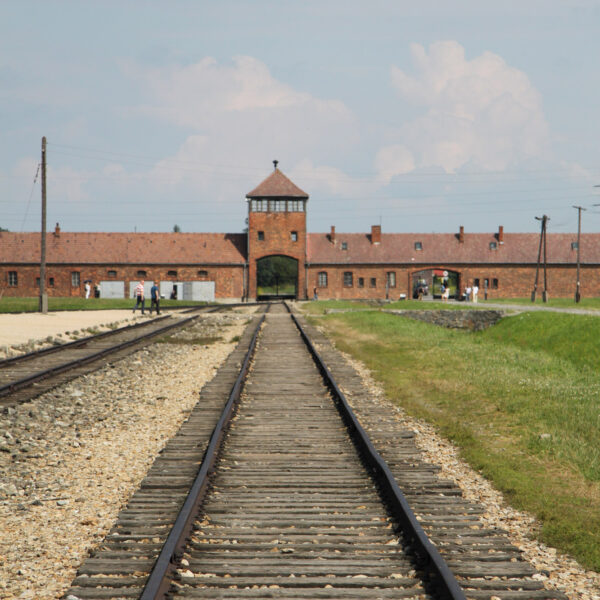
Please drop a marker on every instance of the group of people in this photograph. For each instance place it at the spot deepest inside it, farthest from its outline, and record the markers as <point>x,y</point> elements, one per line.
<point>140,297</point>
<point>471,293</point>
<point>88,290</point>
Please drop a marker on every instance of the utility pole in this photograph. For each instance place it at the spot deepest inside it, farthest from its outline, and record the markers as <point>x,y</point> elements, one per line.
<point>544,219</point>
<point>578,286</point>
<point>43,304</point>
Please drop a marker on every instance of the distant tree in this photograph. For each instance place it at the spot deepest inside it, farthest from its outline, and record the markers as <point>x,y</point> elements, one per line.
<point>2,229</point>
<point>176,229</point>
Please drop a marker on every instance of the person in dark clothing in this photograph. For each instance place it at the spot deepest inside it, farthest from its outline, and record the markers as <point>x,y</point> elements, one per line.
<point>155,298</point>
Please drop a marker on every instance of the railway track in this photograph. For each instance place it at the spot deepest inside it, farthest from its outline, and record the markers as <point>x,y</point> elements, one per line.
<point>28,375</point>
<point>290,505</point>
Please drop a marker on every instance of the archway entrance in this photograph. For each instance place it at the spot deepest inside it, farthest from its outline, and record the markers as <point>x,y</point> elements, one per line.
<point>276,277</point>
<point>430,281</point>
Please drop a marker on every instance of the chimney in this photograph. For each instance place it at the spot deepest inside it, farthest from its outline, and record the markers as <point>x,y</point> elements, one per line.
<point>332,235</point>
<point>500,234</point>
<point>461,235</point>
<point>375,234</point>
<point>57,230</point>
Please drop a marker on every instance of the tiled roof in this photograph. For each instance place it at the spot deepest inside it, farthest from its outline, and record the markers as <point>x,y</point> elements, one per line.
<point>277,185</point>
<point>125,248</point>
<point>445,248</point>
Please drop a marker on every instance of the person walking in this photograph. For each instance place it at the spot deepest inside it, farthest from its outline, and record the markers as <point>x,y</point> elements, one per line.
<point>88,289</point>
<point>475,291</point>
<point>139,295</point>
<point>155,298</point>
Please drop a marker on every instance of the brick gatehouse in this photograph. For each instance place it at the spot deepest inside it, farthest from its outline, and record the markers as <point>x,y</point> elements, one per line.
<point>227,266</point>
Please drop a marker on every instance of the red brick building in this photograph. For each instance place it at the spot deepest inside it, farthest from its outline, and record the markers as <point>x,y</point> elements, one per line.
<point>373,264</point>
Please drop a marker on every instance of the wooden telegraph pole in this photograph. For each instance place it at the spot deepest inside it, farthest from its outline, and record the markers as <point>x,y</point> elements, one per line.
<point>544,220</point>
<point>43,305</point>
<point>578,286</point>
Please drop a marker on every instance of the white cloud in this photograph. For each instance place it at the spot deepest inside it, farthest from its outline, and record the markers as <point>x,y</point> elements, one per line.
<point>243,111</point>
<point>480,112</point>
<point>393,160</point>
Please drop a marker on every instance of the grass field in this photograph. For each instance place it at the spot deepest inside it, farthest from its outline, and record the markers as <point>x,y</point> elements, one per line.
<point>521,400</point>
<point>16,305</point>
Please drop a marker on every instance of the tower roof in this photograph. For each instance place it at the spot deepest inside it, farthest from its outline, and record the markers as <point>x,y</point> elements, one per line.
<point>277,185</point>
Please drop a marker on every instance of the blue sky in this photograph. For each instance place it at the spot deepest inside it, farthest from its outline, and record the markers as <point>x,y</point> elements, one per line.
<point>419,116</point>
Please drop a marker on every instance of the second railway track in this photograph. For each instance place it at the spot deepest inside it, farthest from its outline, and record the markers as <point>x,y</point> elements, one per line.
<point>291,511</point>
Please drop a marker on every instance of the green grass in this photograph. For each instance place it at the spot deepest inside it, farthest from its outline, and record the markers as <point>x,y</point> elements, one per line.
<point>15,305</point>
<point>521,400</point>
<point>587,303</point>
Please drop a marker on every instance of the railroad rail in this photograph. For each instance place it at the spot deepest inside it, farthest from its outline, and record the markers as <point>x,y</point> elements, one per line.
<point>289,505</point>
<point>27,375</point>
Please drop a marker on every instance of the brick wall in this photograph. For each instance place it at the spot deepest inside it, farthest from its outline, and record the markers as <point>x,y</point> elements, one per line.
<point>228,279</point>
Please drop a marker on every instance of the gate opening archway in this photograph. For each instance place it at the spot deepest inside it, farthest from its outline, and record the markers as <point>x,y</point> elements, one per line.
<point>276,277</point>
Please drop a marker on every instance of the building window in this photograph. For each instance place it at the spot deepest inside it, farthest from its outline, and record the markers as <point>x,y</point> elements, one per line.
<point>203,274</point>
<point>573,245</point>
<point>258,205</point>
<point>493,245</point>
<point>476,281</point>
<point>373,282</point>
<point>322,279</point>
<point>261,236</point>
<point>13,279</point>
<point>50,281</point>
<point>361,282</point>
<point>348,279</point>
<point>391,279</point>
<point>294,236</point>
<point>112,273</point>
<point>171,273</point>
<point>75,278</point>
<point>141,273</point>
<point>344,245</point>
<point>418,246</point>
<point>37,282</point>
<point>494,284</point>
<point>486,283</point>
<point>295,205</point>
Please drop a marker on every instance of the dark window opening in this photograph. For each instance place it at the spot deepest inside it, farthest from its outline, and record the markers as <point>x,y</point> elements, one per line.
<point>294,236</point>
<point>13,279</point>
<point>112,273</point>
<point>476,281</point>
<point>141,273</point>
<point>373,282</point>
<point>348,279</point>
<point>418,246</point>
<point>493,245</point>
<point>171,273</point>
<point>51,282</point>
<point>574,245</point>
<point>344,245</point>
<point>361,282</point>
<point>261,236</point>
<point>494,284</point>
<point>203,274</point>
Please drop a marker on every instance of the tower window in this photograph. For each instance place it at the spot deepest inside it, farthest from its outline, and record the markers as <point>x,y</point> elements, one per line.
<point>261,236</point>
<point>294,236</point>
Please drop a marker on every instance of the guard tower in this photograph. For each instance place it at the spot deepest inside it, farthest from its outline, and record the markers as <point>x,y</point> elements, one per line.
<point>277,228</point>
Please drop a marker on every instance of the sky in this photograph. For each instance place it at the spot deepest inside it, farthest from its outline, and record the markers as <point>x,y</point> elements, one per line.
<point>418,116</point>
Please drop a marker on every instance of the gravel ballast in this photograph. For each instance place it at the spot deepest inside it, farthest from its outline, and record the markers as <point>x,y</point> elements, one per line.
<point>71,458</point>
